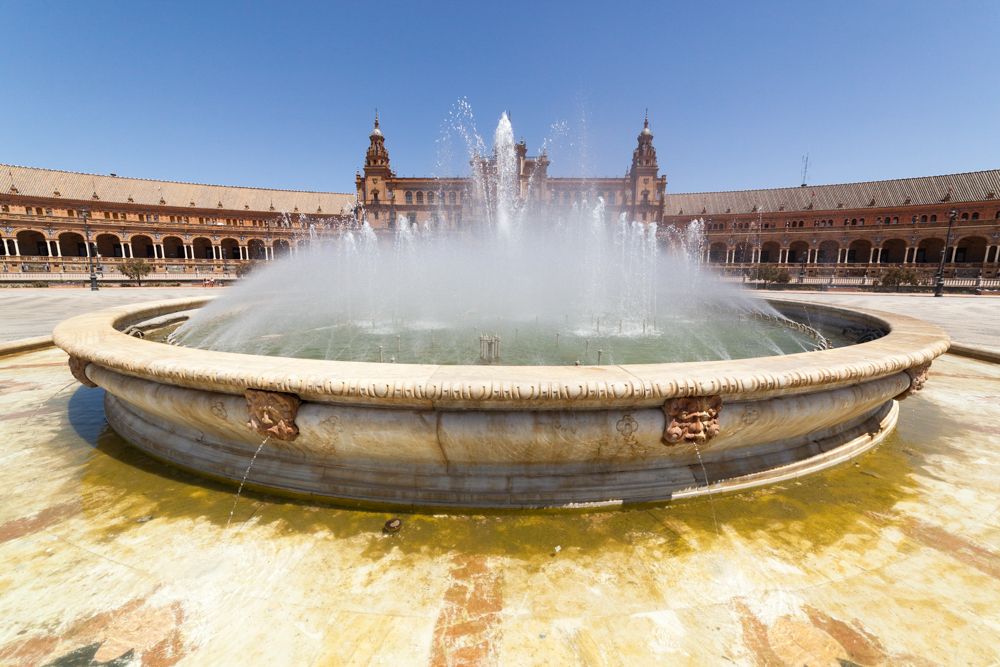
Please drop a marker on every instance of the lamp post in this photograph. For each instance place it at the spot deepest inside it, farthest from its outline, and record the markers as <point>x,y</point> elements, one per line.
<point>90,256</point>
<point>939,284</point>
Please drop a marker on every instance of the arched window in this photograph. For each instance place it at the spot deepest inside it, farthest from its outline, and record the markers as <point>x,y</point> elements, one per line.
<point>430,197</point>
<point>923,218</point>
<point>965,216</point>
<point>409,197</point>
<point>420,197</point>
<point>975,216</point>
<point>934,218</point>
<point>451,197</point>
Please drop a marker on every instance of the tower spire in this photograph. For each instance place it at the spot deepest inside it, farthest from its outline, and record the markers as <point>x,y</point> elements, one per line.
<point>645,119</point>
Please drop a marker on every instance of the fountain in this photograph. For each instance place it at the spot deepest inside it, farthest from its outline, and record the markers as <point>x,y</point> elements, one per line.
<point>609,368</point>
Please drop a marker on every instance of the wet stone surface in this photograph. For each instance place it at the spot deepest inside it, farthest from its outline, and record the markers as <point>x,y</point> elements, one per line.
<point>109,557</point>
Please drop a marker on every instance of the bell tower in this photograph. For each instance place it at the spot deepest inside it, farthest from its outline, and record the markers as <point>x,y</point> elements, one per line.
<point>647,186</point>
<point>374,187</point>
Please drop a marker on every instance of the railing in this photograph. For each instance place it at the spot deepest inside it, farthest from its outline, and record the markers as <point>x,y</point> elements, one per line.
<point>57,269</point>
<point>852,268</point>
<point>975,275</point>
<point>165,227</point>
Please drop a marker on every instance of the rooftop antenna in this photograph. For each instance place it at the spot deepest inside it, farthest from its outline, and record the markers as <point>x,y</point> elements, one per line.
<point>805,168</point>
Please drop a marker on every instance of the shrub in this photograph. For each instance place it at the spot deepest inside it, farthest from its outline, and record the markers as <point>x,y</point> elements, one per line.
<point>769,274</point>
<point>898,275</point>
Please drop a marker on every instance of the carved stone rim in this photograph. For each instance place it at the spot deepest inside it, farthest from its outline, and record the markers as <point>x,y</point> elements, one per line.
<point>98,338</point>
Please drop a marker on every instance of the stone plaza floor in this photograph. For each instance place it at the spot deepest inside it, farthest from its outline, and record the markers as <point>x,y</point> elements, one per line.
<point>33,311</point>
<point>107,556</point>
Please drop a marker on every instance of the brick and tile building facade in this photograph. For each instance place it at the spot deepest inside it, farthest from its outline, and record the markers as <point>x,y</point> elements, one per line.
<point>54,223</point>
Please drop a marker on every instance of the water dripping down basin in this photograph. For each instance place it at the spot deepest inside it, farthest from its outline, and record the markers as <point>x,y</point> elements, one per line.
<point>494,435</point>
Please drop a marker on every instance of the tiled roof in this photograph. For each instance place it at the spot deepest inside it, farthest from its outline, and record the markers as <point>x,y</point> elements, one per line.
<point>951,188</point>
<point>48,183</point>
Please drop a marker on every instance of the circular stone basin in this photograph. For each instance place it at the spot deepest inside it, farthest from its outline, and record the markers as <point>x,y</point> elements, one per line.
<point>475,436</point>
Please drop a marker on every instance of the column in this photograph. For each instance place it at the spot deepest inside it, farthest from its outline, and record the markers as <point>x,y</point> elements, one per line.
<point>871,255</point>
<point>216,252</point>
<point>127,249</point>
<point>86,247</point>
<point>951,254</point>
<point>17,250</point>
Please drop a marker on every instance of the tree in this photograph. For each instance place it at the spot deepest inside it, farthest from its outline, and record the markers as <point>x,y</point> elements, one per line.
<point>136,269</point>
<point>243,269</point>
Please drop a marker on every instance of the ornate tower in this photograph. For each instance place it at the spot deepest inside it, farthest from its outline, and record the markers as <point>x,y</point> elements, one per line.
<point>646,185</point>
<point>375,188</point>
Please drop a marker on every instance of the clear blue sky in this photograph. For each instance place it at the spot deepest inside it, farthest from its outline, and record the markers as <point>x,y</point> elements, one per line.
<point>281,94</point>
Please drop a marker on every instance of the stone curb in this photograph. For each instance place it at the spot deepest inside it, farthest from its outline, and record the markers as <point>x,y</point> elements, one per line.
<point>991,355</point>
<point>19,346</point>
